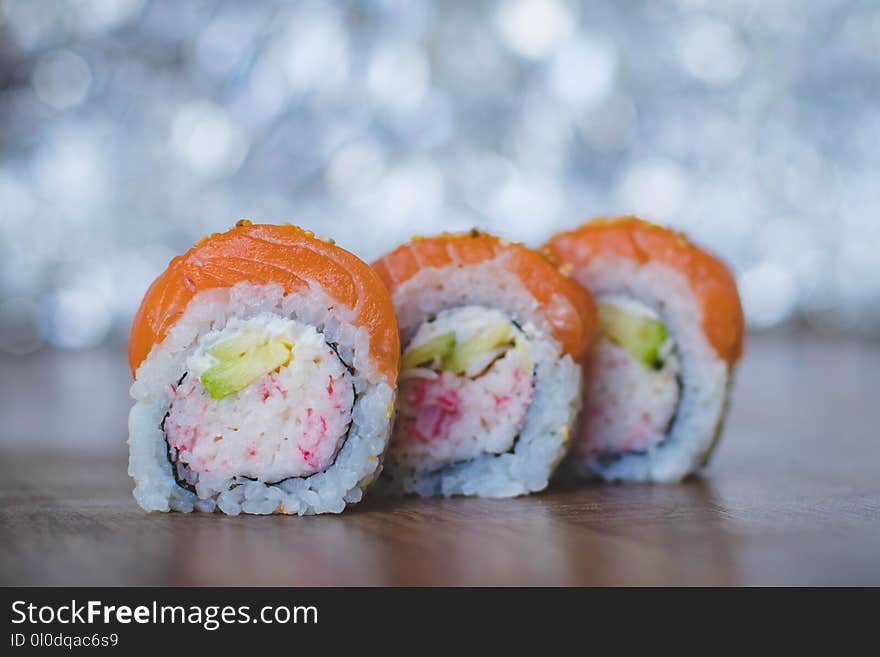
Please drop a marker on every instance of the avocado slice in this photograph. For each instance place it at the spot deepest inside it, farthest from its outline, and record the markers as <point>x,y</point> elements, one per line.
<point>641,336</point>
<point>483,341</point>
<point>437,348</point>
<point>242,360</point>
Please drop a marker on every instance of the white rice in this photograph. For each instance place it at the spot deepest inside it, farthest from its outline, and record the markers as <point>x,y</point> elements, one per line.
<point>704,375</point>
<point>357,463</point>
<point>551,417</point>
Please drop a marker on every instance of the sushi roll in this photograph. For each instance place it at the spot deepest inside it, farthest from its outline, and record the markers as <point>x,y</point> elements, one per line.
<point>490,381</point>
<point>265,364</point>
<point>671,332</point>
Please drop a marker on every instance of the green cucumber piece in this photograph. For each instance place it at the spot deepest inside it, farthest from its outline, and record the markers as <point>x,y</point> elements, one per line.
<point>243,360</point>
<point>641,336</point>
<point>482,341</point>
<point>435,349</point>
<point>237,346</point>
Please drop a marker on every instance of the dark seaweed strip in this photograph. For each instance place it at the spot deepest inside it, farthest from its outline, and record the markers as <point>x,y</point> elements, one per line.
<point>680,383</point>
<point>171,453</point>
<point>335,347</point>
<point>177,466</point>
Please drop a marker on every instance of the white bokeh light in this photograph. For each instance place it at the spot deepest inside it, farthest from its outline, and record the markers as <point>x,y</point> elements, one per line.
<point>355,170</point>
<point>398,76</point>
<point>94,16</point>
<point>267,90</point>
<point>17,205</point>
<point>525,205</point>
<point>204,136</point>
<point>543,136</point>
<point>71,172</point>
<point>534,28</point>
<point>225,41</point>
<point>480,176</point>
<point>711,51</point>
<point>412,190</point>
<point>317,57</point>
<point>62,79</point>
<point>76,319</point>
<point>768,293</point>
<point>582,72</point>
<point>657,189</point>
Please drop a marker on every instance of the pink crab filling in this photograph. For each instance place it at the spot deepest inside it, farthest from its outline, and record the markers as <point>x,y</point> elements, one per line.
<point>287,423</point>
<point>452,418</point>
<point>629,406</point>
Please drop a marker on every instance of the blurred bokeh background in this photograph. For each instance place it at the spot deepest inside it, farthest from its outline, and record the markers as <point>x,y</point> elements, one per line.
<point>129,128</point>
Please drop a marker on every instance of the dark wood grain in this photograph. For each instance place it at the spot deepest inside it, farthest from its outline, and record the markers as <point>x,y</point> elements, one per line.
<point>791,497</point>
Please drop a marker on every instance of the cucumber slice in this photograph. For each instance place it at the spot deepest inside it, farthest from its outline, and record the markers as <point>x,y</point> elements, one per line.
<point>235,347</point>
<point>243,360</point>
<point>434,350</point>
<point>485,340</point>
<point>641,336</point>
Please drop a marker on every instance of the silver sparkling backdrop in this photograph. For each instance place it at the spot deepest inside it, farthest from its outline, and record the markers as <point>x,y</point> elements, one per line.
<point>129,128</point>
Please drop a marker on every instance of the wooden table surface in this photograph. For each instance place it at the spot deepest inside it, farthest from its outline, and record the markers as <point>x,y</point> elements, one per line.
<point>791,497</point>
